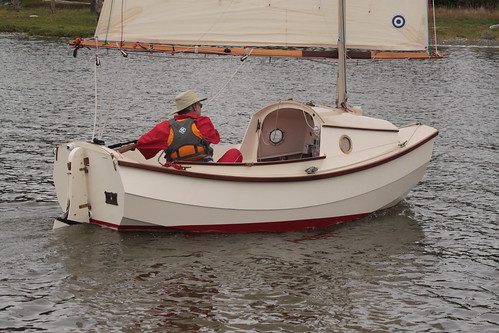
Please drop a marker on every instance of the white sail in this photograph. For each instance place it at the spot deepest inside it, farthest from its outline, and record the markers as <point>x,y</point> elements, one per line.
<point>370,24</point>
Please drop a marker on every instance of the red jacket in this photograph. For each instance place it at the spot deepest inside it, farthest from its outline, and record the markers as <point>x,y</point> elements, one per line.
<point>156,139</point>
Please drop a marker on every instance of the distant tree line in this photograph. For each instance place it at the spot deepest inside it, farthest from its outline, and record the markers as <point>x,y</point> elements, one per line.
<point>489,4</point>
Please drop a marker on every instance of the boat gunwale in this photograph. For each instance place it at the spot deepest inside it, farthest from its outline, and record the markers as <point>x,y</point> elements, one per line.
<point>307,177</point>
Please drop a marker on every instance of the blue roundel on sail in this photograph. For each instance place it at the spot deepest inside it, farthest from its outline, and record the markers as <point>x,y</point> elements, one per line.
<point>398,21</point>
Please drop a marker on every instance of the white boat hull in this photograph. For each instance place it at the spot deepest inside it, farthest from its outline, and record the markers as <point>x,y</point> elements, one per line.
<point>123,191</point>
<point>214,215</point>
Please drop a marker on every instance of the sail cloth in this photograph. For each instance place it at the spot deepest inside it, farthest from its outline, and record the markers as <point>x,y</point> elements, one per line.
<point>370,24</point>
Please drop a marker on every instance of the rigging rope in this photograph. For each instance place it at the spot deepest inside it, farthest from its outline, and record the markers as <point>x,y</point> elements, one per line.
<point>109,21</point>
<point>98,98</point>
<point>138,52</point>
<point>243,60</point>
<point>112,95</point>
<point>306,120</point>
<point>97,63</point>
<point>418,125</point>
<point>98,130</point>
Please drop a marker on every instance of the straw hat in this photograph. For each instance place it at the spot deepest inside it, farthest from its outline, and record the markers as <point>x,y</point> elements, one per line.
<point>186,99</point>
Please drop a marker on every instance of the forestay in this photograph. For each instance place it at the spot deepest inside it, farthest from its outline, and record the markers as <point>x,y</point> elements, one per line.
<point>370,24</point>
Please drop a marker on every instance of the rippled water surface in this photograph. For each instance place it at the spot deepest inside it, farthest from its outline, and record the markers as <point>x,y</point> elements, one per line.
<point>428,265</point>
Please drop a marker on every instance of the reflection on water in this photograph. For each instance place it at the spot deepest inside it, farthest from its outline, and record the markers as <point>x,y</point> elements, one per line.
<point>429,264</point>
<point>368,275</point>
<point>300,281</point>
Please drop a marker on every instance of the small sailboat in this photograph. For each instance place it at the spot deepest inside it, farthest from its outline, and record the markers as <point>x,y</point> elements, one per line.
<point>303,165</point>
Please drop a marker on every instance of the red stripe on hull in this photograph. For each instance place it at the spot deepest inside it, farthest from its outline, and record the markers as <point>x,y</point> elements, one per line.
<point>239,228</point>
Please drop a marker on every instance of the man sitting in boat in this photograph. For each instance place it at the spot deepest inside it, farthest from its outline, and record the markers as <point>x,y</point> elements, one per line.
<point>187,137</point>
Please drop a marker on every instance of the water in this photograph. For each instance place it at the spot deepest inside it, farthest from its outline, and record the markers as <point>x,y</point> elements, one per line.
<point>428,265</point>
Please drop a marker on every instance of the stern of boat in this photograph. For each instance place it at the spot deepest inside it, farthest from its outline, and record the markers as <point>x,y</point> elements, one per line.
<point>88,184</point>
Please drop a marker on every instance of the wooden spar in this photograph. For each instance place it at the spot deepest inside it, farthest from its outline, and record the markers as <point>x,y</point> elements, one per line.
<point>333,54</point>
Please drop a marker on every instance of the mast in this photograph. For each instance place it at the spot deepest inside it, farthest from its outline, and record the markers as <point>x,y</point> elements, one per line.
<point>432,29</point>
<point>342,80</point>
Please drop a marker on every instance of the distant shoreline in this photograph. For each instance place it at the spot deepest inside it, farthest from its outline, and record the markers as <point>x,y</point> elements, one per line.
<point>454,27</point>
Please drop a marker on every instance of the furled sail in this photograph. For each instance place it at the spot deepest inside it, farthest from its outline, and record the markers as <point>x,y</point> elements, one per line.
<point>370,24</point>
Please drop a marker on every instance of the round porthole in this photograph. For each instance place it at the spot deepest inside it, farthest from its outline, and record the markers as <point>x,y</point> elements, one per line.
<point>276,136</point>
<point>345,144</point>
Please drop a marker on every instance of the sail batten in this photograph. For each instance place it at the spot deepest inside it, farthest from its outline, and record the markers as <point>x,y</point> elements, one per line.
<point>375,24</point>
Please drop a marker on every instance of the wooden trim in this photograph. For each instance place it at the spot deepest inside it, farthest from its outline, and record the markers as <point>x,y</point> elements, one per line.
<point>240,51</point>
<point>126,148</point>
<point>305,177</point>
<point>258,163</point>
<point>405,55</point>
